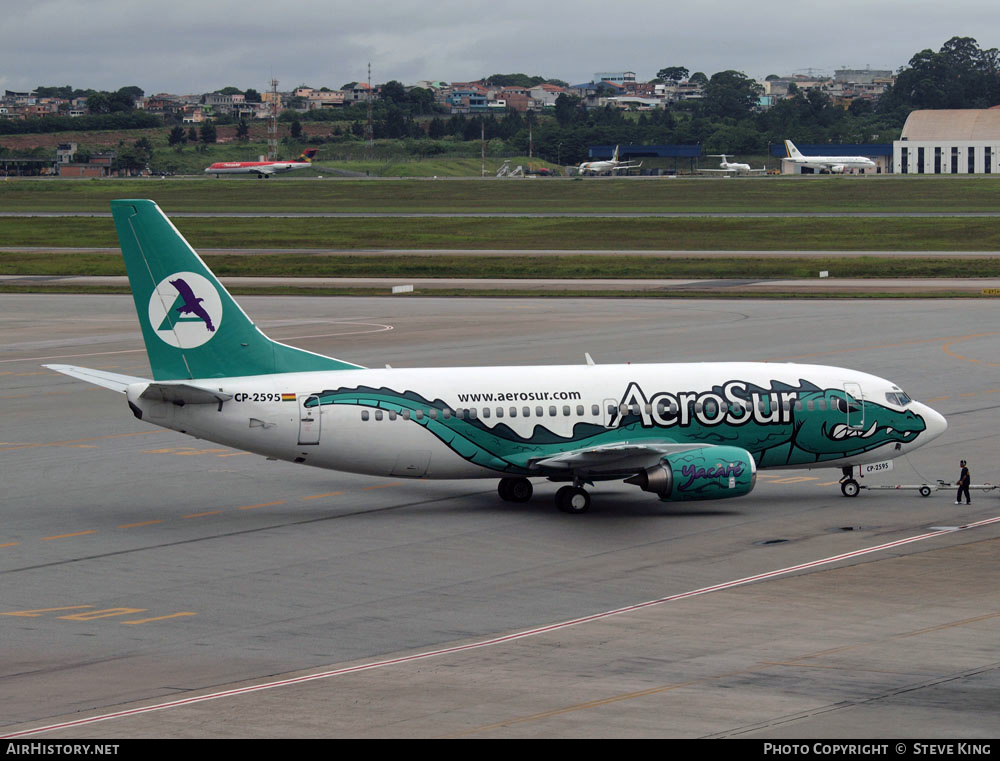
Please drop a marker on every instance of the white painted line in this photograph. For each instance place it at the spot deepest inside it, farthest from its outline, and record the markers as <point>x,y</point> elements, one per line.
<point>503,639</point>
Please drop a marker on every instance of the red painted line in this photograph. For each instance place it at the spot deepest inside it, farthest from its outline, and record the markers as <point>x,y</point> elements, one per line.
<point>503,639</point>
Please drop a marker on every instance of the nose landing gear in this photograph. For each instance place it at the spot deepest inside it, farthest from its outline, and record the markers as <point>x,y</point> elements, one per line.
<point>848,486</point>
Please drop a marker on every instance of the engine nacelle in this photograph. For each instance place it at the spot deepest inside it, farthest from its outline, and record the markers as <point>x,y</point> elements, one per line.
<point>706,473</point>
<point>838,169</point>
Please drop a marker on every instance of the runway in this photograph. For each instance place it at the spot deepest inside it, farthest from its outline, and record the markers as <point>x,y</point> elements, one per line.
<point>143,568</point>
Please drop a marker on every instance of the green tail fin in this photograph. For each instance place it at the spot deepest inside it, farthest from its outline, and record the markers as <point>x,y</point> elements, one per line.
<point>191,325</point>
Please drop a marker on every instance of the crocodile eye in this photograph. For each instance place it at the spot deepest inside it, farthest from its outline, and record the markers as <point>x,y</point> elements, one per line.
<point>842,404</point>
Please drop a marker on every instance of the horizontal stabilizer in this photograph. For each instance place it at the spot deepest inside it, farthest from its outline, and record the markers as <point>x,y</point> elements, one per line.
<point>114,381</point>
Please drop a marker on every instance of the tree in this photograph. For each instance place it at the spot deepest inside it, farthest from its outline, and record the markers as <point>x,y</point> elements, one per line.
<point>208,135</point>
<point>243,131</point>
<point>251,96</point>
<point>177,136</point>
<point>394,92</point>
<point>192,135</point>
<point>296,131</point>
<point>568,107</point>
<point>672,74</point>
<point>731,94</point>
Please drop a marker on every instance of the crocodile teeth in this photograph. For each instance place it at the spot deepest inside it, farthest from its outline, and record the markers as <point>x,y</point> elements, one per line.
<point>839,431</point>
<point>870,431</point>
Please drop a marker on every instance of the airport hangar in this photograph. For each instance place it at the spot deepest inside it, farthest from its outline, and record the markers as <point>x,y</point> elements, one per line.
<point>949,141</point>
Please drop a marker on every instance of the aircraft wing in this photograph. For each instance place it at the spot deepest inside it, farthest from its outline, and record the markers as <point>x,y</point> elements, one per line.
<point>614,458</point>
<point>264,170</point>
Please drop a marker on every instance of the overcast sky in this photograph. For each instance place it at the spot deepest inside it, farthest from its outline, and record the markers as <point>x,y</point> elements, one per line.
<point>188,46</point>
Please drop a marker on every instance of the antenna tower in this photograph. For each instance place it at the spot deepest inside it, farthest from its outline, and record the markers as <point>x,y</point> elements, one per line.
<point>370,128</point>
<point>272,125</point>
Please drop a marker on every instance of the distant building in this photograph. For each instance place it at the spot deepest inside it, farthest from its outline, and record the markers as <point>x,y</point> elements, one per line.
<point>618,77</point>
<point>949,141</point>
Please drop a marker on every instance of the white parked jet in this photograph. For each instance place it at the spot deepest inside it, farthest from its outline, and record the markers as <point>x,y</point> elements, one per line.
<point>834,164</point>
<point>611,165</point>
<point>732,167</point>
<point>680,431</point>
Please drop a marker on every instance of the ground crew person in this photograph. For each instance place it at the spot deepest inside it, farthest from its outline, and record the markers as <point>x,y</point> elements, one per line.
<point>963,485</point>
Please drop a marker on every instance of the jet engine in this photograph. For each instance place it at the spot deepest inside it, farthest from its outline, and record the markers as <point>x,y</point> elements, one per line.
<point>705,473</point>
<point>838,169</point>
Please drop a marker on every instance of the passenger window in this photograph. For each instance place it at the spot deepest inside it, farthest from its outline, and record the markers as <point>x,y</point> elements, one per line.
<point>472,413</point>
<point>433,413</point>
<point>420,414</point>
<point>513,411</point>
<point>539,412</point>
<point>364,414</point>
<point>378,414</point>
<point>526,411</point>
<point>822,405</point>
<point>810,405</point>
<point>486,412</point>
<point>392,414</point>
<point>406,414</point>
<point>552,411</point>
<point>798,405</point>
<point>446,413</point>
<point>594,410</point>
<point>566,410</point>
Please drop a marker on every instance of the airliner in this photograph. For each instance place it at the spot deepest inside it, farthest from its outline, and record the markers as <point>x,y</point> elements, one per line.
<point>732,167</point>
<point>681,432</point>
<point>611,165</point>
<point>263,168</point>
<point>834,164</point>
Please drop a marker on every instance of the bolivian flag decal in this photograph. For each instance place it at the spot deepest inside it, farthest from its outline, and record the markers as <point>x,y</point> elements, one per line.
<point>288,397</point>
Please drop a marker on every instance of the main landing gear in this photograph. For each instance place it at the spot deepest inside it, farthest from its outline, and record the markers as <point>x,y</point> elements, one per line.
<point>569,499</point>
<point>515,489</point>
<point>572,499</point>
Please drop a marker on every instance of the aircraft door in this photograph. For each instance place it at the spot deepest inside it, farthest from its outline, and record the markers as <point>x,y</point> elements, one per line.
<point>310,418</point>
<point>609,412</point>
<point>855,408</point>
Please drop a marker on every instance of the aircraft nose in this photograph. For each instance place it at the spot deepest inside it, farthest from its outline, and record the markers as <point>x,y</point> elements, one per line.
<point>935,422</point>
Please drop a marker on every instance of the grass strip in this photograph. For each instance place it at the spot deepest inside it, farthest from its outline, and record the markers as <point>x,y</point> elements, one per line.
<point>890,194</point>
<point>686,233</point>
<point>557,266</point>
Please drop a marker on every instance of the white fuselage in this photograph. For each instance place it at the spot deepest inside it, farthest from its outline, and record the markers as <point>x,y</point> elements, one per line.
<point>354,423</point>
<point>834,163</point>
<point>255,167</point>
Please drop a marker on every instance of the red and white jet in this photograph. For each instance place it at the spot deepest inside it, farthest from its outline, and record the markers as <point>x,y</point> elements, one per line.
<point>262,168</point>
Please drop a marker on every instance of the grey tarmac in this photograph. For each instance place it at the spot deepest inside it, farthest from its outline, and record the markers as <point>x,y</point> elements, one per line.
<point>140,566</point>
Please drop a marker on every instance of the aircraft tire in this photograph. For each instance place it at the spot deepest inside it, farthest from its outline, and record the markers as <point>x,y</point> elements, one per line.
<point>850,488</point>
<point>515,489</point>
<point>573,500</point>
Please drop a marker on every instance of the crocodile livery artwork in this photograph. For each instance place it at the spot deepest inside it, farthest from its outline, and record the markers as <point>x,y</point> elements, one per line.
<point>780,426</point>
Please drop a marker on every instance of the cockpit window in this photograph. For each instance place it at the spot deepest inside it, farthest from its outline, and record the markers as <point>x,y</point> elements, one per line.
<point>898,397</point>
